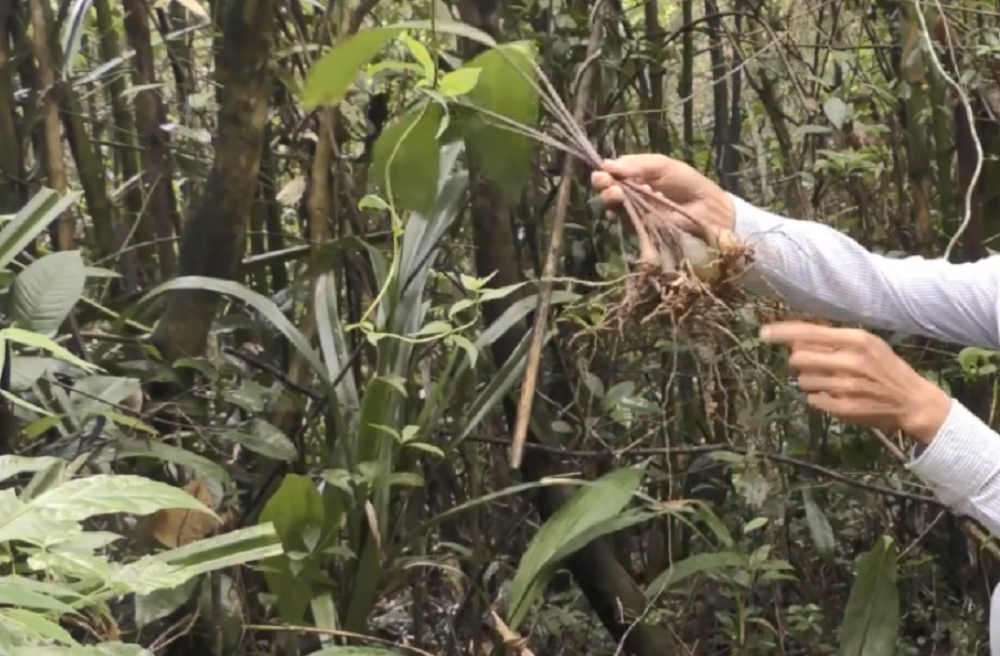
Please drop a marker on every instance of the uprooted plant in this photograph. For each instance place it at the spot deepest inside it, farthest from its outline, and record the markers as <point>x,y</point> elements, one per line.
<point>684,266</point>
<point>681,260</point>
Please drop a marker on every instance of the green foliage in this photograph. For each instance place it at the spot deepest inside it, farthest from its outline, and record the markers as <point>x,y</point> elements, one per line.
<point>871,620</point>
<point>498,83</point>
<point>297,511</point>
<point>507,87</point>
<point>401,156</point>
<point>47,290</point>
<point>47,527</point>
<point>588,515</point>
<point>331,76</point>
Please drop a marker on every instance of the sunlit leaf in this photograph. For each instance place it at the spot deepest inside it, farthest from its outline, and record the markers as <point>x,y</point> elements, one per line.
<point>43,208</point>
<point>11,466</point>
<point>47,290</point>
<point>83,498</point>
<point>819,525</point>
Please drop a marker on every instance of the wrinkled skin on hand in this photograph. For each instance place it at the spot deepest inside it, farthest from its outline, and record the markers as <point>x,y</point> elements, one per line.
<point>856,376</point>
<point>670,178</point>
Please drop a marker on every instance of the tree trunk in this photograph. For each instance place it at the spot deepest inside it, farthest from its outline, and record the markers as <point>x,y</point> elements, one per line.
<point>214,236</point>
<point>157,174</point>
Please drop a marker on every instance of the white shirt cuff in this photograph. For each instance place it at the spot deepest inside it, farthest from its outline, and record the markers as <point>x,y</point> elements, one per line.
<point>962,458</point>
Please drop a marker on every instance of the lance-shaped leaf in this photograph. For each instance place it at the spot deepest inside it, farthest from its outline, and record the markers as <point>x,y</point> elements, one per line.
<point>871,620</point>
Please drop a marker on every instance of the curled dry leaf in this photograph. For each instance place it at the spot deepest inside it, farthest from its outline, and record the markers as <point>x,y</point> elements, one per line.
<point>175,528</point>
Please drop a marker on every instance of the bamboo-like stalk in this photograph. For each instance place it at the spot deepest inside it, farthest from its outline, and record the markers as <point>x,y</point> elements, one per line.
<point>555,248</point>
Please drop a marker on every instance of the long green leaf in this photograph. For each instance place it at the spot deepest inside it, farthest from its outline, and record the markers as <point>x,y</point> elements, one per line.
<point>696,564</point>
<point>266,307</point>
<point>494,392</point>
<point>588,508</point>
<point>332,342</point>
<point>83,498</point>
<point>871,619</point>
<point>246,545</point>
<point>43,208</point>
<point>11,466</point>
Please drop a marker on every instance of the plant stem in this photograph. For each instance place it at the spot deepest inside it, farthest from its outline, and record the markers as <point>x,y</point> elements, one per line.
<point>556,240</point>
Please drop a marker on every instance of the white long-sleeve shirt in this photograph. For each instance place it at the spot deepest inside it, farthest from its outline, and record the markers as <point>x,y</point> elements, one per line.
<point>817,269</point>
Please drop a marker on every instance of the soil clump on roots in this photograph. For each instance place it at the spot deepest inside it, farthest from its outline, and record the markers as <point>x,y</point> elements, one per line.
<point>681,281</point>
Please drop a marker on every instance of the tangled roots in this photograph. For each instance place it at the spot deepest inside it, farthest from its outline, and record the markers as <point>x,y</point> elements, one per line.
<point>688,287</point>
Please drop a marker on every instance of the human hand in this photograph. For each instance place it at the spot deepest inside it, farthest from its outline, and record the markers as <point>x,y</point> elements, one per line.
<point>855,376</point>
<point>673,179</point>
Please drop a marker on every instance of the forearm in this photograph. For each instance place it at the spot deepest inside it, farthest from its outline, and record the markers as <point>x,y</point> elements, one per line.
<point>962,465</point>
<point>817,269</point>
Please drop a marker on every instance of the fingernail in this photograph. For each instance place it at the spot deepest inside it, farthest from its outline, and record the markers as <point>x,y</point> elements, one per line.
<point>765,332</point>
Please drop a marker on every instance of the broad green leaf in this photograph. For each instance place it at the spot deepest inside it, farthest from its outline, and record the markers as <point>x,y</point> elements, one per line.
<point>403,159</point>
<point>11,466</point>
<point>505,87</point>
<point>47,290</point>
<point>595,503</point>
<point>265,438</point>
<point>101,494</point>
<point>697,564</point>
<point>330,77</point>
<point>44,208</point>
<point>819,525</point>
<point>461,341</point>
<point>871,619</point>
<point>295,506</point>
<point>25,370</point>
<point>146,575</point>
<point>265,306</point>
<point>971,359</point>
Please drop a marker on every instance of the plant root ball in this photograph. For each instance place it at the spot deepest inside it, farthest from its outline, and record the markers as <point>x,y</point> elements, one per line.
<point>691,285</point>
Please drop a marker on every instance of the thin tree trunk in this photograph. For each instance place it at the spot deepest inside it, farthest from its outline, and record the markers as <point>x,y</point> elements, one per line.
<point>214,236</point>
<point>55,165</point>
<point>157,174</point>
